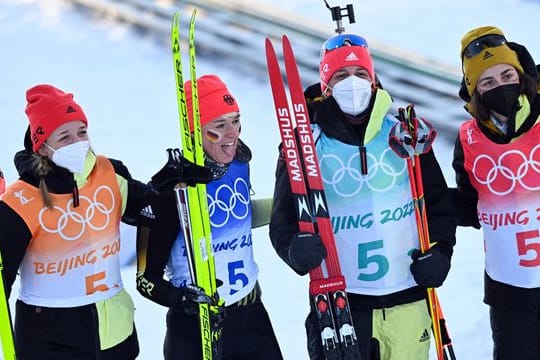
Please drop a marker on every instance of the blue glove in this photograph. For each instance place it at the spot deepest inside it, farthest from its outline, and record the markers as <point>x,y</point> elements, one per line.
<point>430,268</point>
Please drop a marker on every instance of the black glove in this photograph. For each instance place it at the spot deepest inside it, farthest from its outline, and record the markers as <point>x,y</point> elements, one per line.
<point>306,252</point>
<point>190,297</point>
<point>179,170</point>
<point>430,268</point>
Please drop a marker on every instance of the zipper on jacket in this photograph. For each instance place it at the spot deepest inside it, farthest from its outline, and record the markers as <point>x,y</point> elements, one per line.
<point>363,160</point>
<point>75,193</point>
<point>363,150</point>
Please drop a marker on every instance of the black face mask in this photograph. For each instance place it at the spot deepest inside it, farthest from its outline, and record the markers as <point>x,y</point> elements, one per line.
<point>502,99</point>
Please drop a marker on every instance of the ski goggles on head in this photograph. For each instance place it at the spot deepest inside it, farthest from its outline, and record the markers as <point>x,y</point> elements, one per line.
<point>343,40</point>
<point>488,41</point>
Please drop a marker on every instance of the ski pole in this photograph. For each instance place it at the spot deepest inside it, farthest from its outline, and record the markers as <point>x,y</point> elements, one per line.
<point>410,138</point>
<point>412,124</point>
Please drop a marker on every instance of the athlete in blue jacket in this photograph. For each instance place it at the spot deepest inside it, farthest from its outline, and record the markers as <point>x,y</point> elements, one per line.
<point>247,331</point>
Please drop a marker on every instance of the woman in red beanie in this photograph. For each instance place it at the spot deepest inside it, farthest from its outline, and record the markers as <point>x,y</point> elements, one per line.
<point>496,161</point>
<point>366,185</point>
<point>247,332</point>
<point>59,227</point>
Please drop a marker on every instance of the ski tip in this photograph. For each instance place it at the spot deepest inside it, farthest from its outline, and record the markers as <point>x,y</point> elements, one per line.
<point>176,19</point>
<point>287,47</point>
<point>268,45</point>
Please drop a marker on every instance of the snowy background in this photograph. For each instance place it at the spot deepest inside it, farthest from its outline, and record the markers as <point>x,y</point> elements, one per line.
<point>125,83</point>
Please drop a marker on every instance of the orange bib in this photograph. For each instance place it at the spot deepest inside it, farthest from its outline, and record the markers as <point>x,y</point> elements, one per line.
<point>73,256</point>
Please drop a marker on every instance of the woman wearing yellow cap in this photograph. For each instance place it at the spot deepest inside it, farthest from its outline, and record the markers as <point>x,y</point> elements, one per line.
<point>497,165</point>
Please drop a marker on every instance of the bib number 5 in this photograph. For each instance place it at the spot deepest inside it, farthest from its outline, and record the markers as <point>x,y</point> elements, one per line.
<point>365,259</point>
<point>236,275</point>
<point>526,246</point>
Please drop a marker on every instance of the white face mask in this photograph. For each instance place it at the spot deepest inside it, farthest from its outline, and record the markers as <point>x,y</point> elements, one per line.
<point>72,156</point>
<point>352,94</point>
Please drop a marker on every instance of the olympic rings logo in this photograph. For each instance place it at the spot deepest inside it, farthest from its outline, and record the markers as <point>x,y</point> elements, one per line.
<point>228,202</point>
<point>512,168</point>
<point>347,180</point>
<point>71,223</point>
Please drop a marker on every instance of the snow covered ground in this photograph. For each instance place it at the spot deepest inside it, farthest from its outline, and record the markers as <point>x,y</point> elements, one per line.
<point>125,84</point>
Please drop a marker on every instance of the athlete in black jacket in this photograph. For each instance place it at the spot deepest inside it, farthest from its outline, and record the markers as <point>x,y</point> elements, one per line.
<point>495,161</point>
<point>386,292</point>
<point>59,231</point>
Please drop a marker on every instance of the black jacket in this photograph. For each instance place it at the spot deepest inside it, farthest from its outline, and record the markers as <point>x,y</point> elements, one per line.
<point>333,122</point>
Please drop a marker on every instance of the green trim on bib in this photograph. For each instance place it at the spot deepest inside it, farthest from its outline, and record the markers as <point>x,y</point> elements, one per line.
<point>382,104</point>
<point>523,112</point>
<point>261,211</point>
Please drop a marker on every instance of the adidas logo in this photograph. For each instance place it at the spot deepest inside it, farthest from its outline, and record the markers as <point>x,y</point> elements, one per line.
<point>147,212</point>
<point>424,337</point>
<point>70,109</point>
<point>351,57</point>
<point>487,55</point>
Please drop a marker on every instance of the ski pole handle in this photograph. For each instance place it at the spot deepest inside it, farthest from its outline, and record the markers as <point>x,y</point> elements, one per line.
<point>411,136</point>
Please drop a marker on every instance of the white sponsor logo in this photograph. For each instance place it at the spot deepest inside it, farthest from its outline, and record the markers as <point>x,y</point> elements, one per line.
<point>351,57</point>
<point>19,195</point>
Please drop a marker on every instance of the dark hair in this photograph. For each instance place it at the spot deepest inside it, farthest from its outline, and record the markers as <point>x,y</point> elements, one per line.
<point>481,111</point>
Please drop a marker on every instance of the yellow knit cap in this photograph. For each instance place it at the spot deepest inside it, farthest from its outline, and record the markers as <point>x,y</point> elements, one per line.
<point>474,67</point>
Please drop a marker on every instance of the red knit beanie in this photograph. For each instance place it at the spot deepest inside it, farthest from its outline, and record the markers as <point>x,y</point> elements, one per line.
<point>334,60</point>
<point>214,99</point>
<point>47,108</point>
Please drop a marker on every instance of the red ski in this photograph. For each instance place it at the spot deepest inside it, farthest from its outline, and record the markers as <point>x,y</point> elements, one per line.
<point>327,283</point>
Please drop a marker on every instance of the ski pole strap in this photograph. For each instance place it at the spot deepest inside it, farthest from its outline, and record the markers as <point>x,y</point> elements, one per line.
<point>421,130</point>
<point>411,121</point>
<point>445,337</point>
